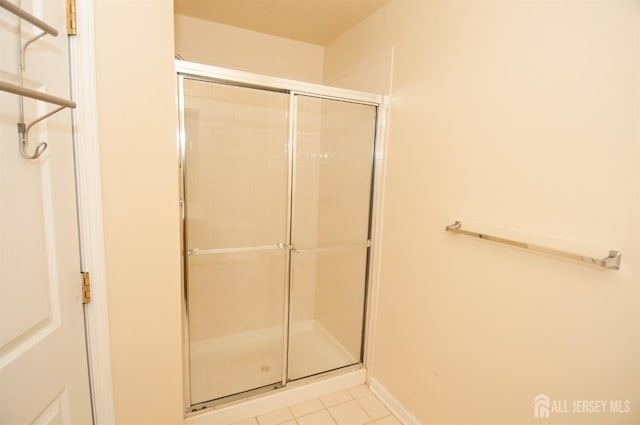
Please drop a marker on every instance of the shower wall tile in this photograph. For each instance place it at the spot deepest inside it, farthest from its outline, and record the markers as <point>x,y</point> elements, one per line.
<point>230,175</point>
<point>305,218</point>
<point>340,294</point>
<point>235,293</point>
<point>237,154</point>
<point>303,287</point>
<point>237,180</point>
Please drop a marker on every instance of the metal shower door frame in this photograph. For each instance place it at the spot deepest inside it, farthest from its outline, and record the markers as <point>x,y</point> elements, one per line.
<point>213,74</point>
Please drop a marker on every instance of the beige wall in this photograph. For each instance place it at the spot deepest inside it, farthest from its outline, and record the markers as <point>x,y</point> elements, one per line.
<point>516,114</point>
<point>136,117</point>
<point>364,70</point>
<point>223,45</point>
<point>520,118</point>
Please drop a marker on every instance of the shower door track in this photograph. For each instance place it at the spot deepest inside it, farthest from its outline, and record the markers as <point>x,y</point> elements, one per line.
<point>265,82</point>
<point>294,88</point>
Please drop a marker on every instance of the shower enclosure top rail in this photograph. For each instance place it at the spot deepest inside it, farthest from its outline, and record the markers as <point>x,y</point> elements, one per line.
<point>215,73</point>
<point>611,262</point>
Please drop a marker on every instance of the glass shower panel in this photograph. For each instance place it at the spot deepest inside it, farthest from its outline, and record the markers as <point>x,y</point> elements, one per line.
<point>235,194</point>
<point>330,234</point>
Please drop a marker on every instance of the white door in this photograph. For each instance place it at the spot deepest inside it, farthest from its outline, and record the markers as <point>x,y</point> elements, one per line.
<point>43,362</point>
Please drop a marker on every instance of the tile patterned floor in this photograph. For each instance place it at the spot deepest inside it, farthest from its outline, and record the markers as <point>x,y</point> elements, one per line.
<point>355,406</point>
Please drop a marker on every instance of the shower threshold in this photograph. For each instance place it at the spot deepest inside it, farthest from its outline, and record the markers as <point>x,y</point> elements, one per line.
<point>294,393</point>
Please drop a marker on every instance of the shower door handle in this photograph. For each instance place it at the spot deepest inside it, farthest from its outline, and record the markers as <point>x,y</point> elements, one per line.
<point>198,251</point>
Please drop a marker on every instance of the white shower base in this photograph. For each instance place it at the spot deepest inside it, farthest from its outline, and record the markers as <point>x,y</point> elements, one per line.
<point>233,364</point>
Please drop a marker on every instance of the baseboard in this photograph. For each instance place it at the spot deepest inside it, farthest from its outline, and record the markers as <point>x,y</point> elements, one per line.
<point>278,399</point>
<point>397,408</point>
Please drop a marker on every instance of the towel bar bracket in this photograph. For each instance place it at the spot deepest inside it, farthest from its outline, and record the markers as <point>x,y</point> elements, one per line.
<point>613,260</point>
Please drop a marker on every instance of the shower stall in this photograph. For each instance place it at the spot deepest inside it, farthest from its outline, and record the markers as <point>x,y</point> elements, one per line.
<point>276,195</point>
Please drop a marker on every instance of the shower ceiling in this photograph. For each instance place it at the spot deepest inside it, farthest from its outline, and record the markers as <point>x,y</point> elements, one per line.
<point>311,21</point>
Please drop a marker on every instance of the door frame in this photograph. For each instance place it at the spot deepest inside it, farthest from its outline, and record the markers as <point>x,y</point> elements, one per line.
<point>89,205</point>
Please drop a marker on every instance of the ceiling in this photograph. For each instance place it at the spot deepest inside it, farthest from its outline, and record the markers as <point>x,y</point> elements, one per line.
<point>311,21</point>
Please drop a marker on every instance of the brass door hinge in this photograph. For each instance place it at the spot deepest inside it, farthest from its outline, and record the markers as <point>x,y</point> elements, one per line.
<point>86,288</point>
<point>72,28</point>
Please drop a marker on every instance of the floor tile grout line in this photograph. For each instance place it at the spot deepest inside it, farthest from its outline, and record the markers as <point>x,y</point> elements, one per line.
<point>345,391</point>
<point>333,417</point>
<point>322,407</point>
<point>326,408</point>
<point>357,404</point>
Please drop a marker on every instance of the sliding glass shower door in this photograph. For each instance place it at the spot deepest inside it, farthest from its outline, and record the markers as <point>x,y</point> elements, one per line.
<point>330,233</point>
<point>235,194</point>
<point>276,194</point>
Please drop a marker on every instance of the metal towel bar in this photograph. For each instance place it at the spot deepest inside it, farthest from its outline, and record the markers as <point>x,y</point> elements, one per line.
<point>33,94</point>
<point>10,7</point>
<point>612,261</point>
